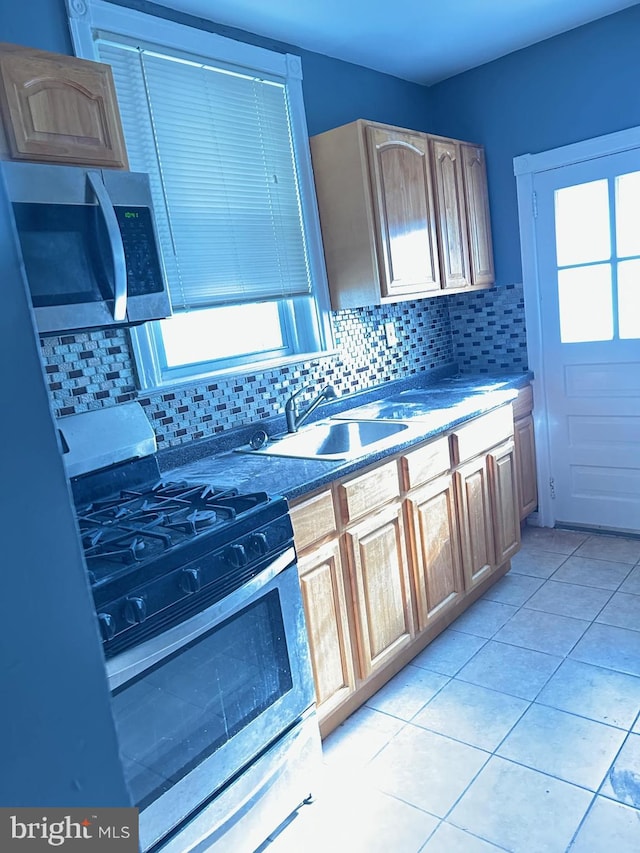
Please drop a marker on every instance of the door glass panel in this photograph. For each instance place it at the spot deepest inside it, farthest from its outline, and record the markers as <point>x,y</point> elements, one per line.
<point>628,214</point>
<point>585,303</point>
<point>582,223</point>
<point>629,298</point>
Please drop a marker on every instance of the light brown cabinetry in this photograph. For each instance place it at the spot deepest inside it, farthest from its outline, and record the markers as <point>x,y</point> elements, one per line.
<point>373,184</point>
<point>325,600</point>
<point>476,193</point>
<point>486,484</point>
<point>404,214</point>
<point>435,547</point>
<point>476,522</point>
<point>452,213</point>
<point>389,557</point>
<point>58,109</point>
<point>525,452</point>
<point>432,530</point>
<point>375,554</point>
<point>504,497</point>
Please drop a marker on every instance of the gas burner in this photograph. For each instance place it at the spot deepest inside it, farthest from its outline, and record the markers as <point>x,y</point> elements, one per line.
<point>137,526</point>
<point>126,549</point>
<point>194,522</point>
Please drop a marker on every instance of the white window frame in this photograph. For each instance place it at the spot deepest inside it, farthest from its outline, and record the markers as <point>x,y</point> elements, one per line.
<point>88,16</point>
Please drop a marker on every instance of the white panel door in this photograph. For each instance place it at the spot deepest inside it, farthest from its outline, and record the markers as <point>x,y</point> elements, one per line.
<point>588,254</point>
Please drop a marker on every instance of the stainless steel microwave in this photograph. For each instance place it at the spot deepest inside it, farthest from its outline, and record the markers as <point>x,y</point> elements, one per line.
<point>89,246</point>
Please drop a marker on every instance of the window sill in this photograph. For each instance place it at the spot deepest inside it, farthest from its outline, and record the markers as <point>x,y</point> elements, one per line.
<point>150,388</point>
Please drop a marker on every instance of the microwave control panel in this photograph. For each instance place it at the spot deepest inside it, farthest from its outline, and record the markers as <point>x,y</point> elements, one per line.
<point>141,252</point>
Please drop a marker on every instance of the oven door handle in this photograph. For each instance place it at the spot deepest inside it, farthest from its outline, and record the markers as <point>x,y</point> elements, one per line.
<point>133,662</point>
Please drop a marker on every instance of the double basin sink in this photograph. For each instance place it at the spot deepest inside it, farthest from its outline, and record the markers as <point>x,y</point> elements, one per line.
<point>374,427</point>
<point>335,439</point>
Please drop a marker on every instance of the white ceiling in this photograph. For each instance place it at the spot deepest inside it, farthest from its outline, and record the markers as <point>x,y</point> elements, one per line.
<point>424,41</point>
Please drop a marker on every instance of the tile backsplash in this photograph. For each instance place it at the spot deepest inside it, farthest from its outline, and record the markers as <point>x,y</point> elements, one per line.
<point>488,330</point>
<point>94,369</point>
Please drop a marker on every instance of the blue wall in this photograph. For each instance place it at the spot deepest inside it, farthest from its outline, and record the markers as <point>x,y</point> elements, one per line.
<point>36,23</point>
<point>334,92</point>
<point>578,85</point>
<point>581,84</point>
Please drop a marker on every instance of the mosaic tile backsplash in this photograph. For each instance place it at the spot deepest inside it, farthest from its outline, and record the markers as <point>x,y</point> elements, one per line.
<point>94,369</point>
<point>488,330</point>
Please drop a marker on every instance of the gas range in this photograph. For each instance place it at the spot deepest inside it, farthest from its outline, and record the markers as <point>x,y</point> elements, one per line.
<point>159,550</point>
<point>131,533</point>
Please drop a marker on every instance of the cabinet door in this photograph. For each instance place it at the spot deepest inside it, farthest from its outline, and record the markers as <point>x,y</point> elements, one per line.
<point>404,211</point>
<point>451,212</point>
<point>375,549</point>
<point>325,607</point>
<point>478,217</point>
<point>435,548</point>
<point>504,494</point>
<point>526,465</point>
<point>59,109</point>
<point>476,521</point>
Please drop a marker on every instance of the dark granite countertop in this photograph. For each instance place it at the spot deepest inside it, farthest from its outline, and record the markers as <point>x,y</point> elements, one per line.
<point>449,401</point>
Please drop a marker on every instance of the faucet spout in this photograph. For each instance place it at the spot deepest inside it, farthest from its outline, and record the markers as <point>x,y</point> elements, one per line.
<point>295,418</point>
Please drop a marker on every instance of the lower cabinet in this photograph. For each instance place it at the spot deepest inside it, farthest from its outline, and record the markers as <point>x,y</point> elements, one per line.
<point>376,556</point>
<point>525,452</point>
<point>435,548</point>
<point>504,496</point>
<point>390,557</point>
<point>476,521</point>
<point>325,606</point>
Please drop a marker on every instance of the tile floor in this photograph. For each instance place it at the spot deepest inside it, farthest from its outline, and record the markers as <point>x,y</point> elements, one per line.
<point>517,729</point>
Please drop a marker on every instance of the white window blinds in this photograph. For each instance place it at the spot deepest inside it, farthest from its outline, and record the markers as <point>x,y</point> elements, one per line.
<point>217,145</point>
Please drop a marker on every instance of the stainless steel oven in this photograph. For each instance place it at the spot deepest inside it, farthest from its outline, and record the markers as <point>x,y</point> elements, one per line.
<point>198,601</point>
<point>198,705</point>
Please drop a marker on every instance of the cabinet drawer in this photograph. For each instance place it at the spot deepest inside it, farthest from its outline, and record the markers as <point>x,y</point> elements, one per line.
<point>523,404</point>
<point>481,434</point>
<point>425,463</point>
<point>363,494</point>
<point>313,519</point>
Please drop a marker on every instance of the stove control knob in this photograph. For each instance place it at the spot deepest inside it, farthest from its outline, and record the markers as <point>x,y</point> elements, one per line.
<point>236,556</point>
<point>135,610</point>
<point>259,543</point>
<point>107,626</point>
<point>190,580</point>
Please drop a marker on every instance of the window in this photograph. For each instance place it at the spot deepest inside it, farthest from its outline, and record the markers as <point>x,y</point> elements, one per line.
<point>598,259</point>
<point>219,127</point>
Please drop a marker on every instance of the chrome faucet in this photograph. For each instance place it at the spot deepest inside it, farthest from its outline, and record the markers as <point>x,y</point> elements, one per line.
<point>295,419</point>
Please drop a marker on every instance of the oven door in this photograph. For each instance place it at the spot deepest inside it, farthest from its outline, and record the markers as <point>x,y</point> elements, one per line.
<point>201,702</point>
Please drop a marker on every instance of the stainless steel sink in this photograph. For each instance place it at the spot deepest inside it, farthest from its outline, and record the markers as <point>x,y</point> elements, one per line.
<point>337,440</point>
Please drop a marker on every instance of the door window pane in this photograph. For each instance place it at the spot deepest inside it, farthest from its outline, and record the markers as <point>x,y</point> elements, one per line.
<point>582,224</point>
<point>585,303</point>
<point>628,214</point>
<point>629,298</point>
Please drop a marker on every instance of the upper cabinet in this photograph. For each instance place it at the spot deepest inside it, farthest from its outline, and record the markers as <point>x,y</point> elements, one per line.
<point>474,177</point>
<point>452,213</point>
<point>58,109</point>
<point>404,214</point>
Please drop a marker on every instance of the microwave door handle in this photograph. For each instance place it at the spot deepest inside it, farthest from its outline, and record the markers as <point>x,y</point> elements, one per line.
<point>115,242</point>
